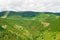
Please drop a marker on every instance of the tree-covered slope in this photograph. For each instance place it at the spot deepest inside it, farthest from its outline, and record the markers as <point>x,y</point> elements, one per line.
<point>42,26</point>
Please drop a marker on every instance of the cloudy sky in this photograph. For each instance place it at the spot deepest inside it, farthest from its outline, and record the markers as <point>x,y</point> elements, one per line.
<point>30,5</point>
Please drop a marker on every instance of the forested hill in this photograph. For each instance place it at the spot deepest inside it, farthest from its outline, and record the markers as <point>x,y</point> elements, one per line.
<point>26,13</point>
<point>29,25</point>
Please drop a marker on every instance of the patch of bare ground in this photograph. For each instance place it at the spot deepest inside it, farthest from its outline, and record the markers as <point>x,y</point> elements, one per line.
<point>45,24</point>
<point>4,26</point>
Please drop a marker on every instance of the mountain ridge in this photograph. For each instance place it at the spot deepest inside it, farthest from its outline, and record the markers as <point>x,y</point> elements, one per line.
<point>26,13</point>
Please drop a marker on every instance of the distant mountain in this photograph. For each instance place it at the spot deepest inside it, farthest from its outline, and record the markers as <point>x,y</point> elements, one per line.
<point>26,13</point>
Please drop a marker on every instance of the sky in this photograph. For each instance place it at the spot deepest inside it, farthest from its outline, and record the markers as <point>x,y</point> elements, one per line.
<point>30,5</point>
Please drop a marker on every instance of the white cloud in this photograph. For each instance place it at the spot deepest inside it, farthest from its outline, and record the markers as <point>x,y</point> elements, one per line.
<point>30,5</point>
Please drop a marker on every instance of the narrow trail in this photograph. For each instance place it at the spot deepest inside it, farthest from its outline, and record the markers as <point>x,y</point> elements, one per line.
<point>6,14</point>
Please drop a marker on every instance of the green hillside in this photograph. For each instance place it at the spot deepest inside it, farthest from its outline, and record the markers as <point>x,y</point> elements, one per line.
<point>39,27</point>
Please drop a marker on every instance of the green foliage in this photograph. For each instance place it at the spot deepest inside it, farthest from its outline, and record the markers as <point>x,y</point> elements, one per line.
<point>22,28</point>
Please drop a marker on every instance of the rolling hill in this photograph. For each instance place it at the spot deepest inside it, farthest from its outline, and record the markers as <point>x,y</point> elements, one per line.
<point>29,25</point>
